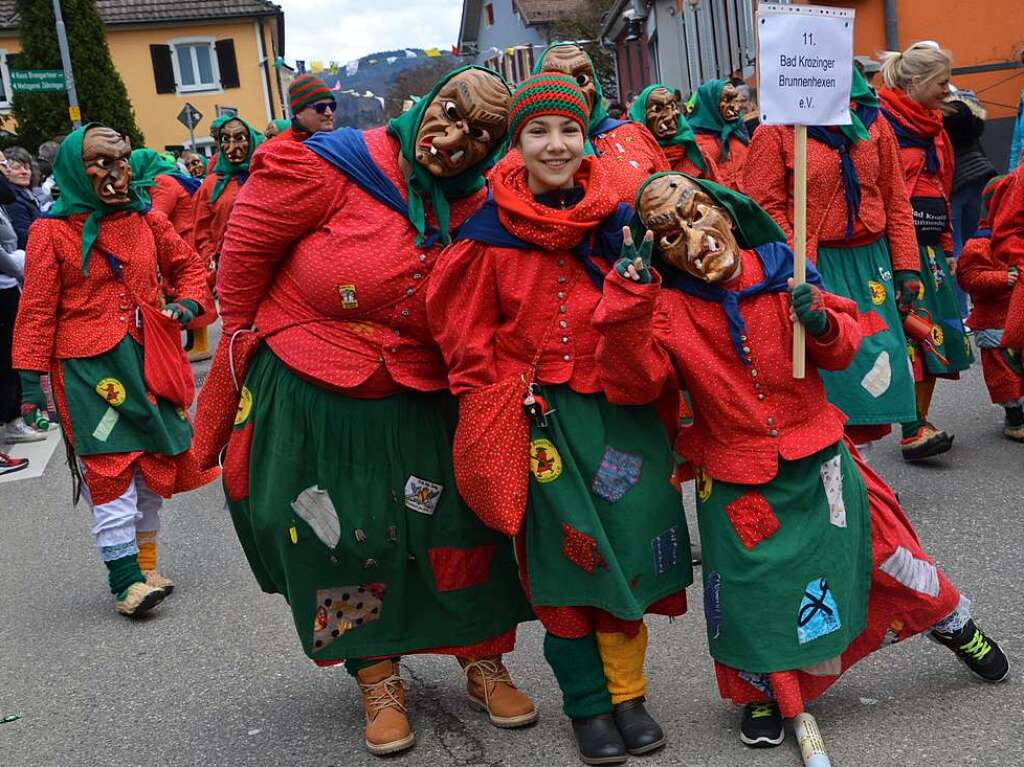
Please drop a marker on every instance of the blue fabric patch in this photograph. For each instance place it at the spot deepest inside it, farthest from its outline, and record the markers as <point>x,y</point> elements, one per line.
<point>818,614</point>
<point>617,473</point>
<point>713,604</point>
<point>759,682</point>
<point>665,549</point>
<point>118,551</point>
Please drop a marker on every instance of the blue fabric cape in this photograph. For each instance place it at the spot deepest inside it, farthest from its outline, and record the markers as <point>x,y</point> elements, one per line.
<point>346,150</point>
<point>777,261</point>
<point>190,184</point>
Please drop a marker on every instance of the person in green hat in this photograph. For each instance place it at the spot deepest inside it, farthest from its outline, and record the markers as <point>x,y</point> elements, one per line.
<point>627,148</point>
<point>860,235</point>
<point>809,564</point>
<point>716,116</point>
<point>237,140</point>
<point>338,471</point>
<point>169,190</point>
<point>658,108</point>
<point>93,315</point>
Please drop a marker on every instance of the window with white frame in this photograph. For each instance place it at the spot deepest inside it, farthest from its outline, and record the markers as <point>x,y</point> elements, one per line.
<point>195,65</point>
<point>5,82</point>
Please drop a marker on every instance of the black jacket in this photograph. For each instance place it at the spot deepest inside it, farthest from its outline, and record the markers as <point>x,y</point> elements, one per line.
<point>22,212</point>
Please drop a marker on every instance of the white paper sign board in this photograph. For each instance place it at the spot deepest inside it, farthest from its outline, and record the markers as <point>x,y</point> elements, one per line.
<point>805,64</point>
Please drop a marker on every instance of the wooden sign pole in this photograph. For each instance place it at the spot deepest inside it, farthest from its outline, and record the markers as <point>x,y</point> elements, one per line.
<point>799,239</point>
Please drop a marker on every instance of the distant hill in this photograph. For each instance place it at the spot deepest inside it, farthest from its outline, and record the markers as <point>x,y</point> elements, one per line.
<point>377,71</point>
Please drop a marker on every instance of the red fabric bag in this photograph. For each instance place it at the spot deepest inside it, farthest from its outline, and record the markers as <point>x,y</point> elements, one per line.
<point>165,365</point>
<point>491,454</point>
<point>220,397</point>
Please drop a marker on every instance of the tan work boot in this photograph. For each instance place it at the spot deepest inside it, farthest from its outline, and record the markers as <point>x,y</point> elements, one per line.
<point>489,686</point>
<point>157,581</point>
<point>138,598</point>
<point>387,727</point>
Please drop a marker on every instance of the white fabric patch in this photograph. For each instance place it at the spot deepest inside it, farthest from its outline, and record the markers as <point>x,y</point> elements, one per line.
<point>877,380</point>
<point>422,495</point>
<point>913,573</point>
<point>106,425</point>
<point>316,509</point>
<point>832,479</point>
<point>830,667</point>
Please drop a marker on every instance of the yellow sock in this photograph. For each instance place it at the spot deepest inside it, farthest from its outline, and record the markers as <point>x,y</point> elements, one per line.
<point>623,661</point>
<point>147,550</point>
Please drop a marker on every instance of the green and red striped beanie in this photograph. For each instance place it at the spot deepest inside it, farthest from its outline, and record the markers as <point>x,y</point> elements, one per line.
<point>306,89</point>
<point>547,94</point>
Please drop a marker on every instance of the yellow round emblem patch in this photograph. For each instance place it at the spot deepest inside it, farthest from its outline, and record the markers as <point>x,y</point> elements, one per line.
<point>938,337</point>
<point>112,391</point>
<point>878,294</point>
<point>704,486</point>
<point>244,406</point>
<point>545,462</point>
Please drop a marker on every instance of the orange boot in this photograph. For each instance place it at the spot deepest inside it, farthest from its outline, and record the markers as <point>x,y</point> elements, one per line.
<point>387,727</point>
<point>489,686</point>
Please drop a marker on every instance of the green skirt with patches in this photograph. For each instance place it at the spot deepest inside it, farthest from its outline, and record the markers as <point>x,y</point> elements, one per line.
<point>878,386</point>
<point>787,565</point>
<point>111,410</point>
<point>949,338</point>
<point>604,525</point>
<point>352,515</point>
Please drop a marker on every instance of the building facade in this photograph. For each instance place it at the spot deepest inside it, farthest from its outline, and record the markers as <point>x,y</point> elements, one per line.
<point>218,55</point>
<point>509,35</point>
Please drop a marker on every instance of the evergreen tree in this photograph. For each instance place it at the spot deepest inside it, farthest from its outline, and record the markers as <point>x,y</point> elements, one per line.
<point>101,92</point>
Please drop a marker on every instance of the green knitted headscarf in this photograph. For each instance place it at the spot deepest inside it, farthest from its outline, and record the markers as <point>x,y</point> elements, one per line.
<point>77,195</point>
<point>754,227</point>
<point>684,133</point>
<point>147,164</point>
<point>600,113</point>
<point>422,185</point>
<point>225,169</point>
<point>707,117</point>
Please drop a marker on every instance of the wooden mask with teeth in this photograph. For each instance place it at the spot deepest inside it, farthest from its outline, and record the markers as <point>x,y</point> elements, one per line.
<point>692,232</point>
<point>466,119</point>
<point>106,155</point>
<point>663,113</point>
<point>730,104</point>
<point>234,141</point>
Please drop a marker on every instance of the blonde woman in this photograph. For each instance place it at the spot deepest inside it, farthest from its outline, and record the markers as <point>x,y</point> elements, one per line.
<point>916,83</point>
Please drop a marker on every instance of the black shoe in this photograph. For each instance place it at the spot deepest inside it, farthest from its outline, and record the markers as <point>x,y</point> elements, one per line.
<point>639,731</point>
<point>761,725</point>
<point>598,740</point>
<point>979,653</point>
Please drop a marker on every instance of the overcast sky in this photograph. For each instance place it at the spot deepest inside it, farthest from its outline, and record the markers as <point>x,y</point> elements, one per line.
<point>343,30</point>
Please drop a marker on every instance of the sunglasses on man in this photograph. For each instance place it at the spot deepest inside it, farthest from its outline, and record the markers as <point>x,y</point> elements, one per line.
<point>323,106</point>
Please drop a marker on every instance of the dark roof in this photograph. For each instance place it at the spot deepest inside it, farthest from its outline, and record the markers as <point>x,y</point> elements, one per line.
<point>544,11</point>
<point>157,11</point>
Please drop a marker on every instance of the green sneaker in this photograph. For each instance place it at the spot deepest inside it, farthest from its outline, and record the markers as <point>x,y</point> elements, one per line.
<point>979,653</point>
<point>761,725</point>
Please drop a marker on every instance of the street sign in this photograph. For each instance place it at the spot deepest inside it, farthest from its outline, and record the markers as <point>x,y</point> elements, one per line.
<point>189,116</point>
<point>37,80</point>
<point>805,64</point>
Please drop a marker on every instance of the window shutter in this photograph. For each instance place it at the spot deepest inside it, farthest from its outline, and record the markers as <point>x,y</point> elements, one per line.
<point>163,70</point>
<point>227,63</point>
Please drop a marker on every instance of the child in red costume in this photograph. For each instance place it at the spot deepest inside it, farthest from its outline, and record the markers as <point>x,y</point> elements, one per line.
<point>809,562</point>
<point>91,308</point>
<point>988,275</point>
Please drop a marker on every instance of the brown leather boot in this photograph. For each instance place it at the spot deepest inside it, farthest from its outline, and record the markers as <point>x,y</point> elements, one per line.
<point>387,728</point>
<point>489,686</point>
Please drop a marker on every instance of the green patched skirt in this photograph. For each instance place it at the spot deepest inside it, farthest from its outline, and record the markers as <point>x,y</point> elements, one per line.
<point>352,514</point>
<point>878,386</point>
<point>787,565</point>
<point>604,526</point>
<point>948,336</point>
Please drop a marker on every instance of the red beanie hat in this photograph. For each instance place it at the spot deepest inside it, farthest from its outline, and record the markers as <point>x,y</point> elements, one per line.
<point>305,90</point>
<point>547,94</point>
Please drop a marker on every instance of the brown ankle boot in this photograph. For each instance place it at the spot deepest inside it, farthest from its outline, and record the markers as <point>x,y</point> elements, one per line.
<point>387,728</point>
<point>489,686</point>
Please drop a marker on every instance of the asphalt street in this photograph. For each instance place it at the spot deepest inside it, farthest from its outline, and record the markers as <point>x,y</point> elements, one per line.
<point>216,677</point>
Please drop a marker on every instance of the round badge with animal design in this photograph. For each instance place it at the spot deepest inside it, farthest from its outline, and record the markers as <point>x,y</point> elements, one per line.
<point>545,462</point>
<point>112,391</point>
<point>878,294</point>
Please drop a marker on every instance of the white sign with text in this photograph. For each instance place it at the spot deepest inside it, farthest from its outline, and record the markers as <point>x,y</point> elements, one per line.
<point>805,64</point>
